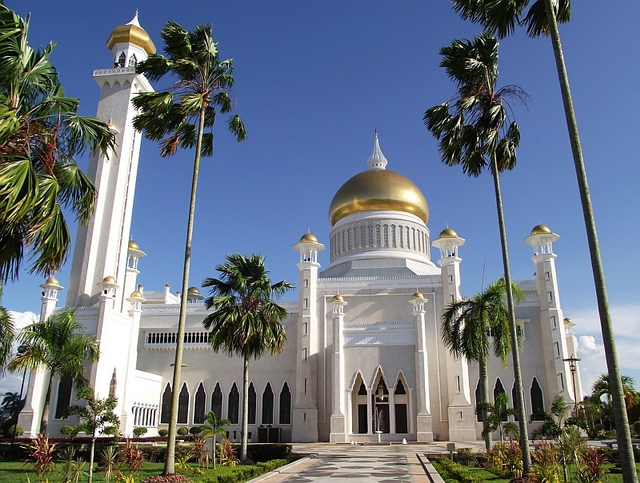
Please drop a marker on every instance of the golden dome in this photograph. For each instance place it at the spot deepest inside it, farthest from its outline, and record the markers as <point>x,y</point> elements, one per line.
<point>308,238</point>
<point>193,291</point>
<point>131,33</point>
<point>540,230</point>
<point>567,320</point>
<point>448,233</point>
<point>52,281</point>
<point>378,189</point>
<point>133,245</point>
<point>109,279</point>
<point>417,295</point>
<point>337,298</point>
<point>136,295</point>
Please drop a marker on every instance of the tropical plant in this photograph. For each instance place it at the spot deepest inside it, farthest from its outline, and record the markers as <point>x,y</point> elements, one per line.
<point>183,116</point>
<point>601,387</point>
<point>245,320</point>
<point>476,133</point>
<point>140,431</point>
<point>96,417</point>
<point>58,345</point>
<point>592,467</point>
<point>40,453</point>
<point>500,17</point>
<point>213,427</point>
<point>496,414</point>
<point>40,136</point>
<point>72,468</point>
<point>227,454</point>
<point>132,457</point>
<point>474,326</point>
<point>570,444</point>
<point>11,404</point>
<point>7,331</point>
<point>545,463</point>
<point>109,462</point>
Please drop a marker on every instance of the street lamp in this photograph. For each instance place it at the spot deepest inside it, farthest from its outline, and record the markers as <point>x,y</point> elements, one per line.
<point>572,367</point>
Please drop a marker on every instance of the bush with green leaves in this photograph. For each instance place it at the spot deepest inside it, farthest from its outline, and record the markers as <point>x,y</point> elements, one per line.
<point>182,431</point>
<point>140,431</point>
<point>163,432</point>
<point>461,473</point>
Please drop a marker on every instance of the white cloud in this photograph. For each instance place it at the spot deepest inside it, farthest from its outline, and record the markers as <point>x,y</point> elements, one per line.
<point>626,326</point>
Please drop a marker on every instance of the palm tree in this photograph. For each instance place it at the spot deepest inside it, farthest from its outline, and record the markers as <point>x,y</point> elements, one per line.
<point>245,320</point>
<point>183,116</point>
<point>59,345</point>
<point>40,135</point>
<point>500,17</point>
<point>602,387</point>
<point>475,133</point>
<point>472,327</point>
<point>213,427</point>
<point>7,334</point>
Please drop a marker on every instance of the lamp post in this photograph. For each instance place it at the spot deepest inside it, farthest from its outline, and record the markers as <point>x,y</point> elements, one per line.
<point>572,367</point>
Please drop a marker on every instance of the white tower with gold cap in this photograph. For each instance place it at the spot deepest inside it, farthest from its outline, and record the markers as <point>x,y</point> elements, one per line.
<point>102,246</point>
<point>554,346</point>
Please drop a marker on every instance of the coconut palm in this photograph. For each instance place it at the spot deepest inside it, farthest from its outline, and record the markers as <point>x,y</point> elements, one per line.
<point>602,387</point>
<point>182,117</point>
<point>58,345</point>
<point>245,320</point>
<point>40,135</point>
<point>475,132</point>
<point>474,327</point>
<point>212,428</point>
<point>7,335</point>
<point>501,17</point>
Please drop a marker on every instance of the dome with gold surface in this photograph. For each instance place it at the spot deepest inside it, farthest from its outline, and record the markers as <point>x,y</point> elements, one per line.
<point>378,189</point>
<point>131,33</point>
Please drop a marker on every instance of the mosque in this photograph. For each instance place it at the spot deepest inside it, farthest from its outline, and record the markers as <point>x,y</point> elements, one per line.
<point>363,361</point>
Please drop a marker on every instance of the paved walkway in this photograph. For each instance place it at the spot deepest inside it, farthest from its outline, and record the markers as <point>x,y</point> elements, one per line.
<point>357,463</point>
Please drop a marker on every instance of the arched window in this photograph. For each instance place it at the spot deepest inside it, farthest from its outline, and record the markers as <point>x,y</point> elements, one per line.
<point>133,61</point>
<point>537,402</point>
<point>216,401</point>
<point>121,60</point>
<point>199,406</point>
<point>497,390</point>
<point>234,404</point>
<point>251,413</point>
<point>400,387</point>
<point>362,390</point>
<point>64,395</point>
<point>267,405</point>
<point>183,404</point>
<point>514,392</point>
<point>285,405</point>
<point>165,412</point>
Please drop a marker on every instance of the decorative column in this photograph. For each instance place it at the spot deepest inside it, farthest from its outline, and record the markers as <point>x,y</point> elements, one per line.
<point>339,432</point>
<point>424,429</point>
<point>126,393</point>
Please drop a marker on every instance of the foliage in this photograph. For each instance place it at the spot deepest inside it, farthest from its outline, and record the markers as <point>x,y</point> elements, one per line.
<point>132,457</point>
<point>227,454</point>
<point>175,478</point>
<point>592,467</point>
<point>140,431</point>
<point>183,431</point>
<point>213,427</point>
<point>497,413</point>
<point>40,136</point>
<point>7,336</point>
<point>505,459</point>
<point>59,344</point>
<point>163,432</point>
<point>40,454</point>
<point>109,462</point>
<point>268,452</point>
<point>461,473</point>
<point>545,460</point>
<point>245,320</point>
<point>73,468</point>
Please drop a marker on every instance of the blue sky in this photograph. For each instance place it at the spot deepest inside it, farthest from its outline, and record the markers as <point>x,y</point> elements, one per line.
<point>313,81</point>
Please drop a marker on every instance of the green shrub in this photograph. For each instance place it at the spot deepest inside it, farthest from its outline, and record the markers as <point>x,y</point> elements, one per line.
<point>137,432</point>
<point>163,432</point>
<point>268,452</point>
<point>195,430</point>
<point>182,431</point>
<point>14,430</point>
<point>461,473</point>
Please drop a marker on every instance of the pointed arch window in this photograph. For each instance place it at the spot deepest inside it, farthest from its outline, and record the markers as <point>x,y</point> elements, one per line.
<point>514,392</point>
<point>121,60</point>
<point>400,387</point>
<point>216,401</point>
<point>251,413</point>
<point>285,405</point>
<point>165,411</point>
<point>64,395</point>
<point>183,405</point>
<point>537,401</point>
<point>362,390</point>
<point>234,404</point>
<point>479,417</point>
<point>133,60</point>
<point>199,405</point>
<point>497,390</point>
<point>267,405</point>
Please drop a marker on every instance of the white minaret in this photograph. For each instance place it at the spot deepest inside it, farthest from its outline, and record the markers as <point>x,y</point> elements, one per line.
<point>554,340</point>
<point>339,432</point>
<point>462,417</point>
<point>305,409</point>
<point>102,246</point>
<point>425,426</point>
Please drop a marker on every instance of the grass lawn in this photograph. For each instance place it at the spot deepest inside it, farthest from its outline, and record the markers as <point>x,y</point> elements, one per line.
<point>16,472</point>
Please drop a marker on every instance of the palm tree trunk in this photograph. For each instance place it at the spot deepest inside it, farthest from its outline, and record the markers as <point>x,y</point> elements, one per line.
<point>515,350</point>
<point>484,381</point>
<point>91,459</point>
<point>44,419</point>
<point>620,414</point>
<point>245,410</point>
<point>169,464</point>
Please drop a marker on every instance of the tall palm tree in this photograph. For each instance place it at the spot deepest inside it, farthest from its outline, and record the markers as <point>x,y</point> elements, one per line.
<point>183,117</point>
<point>40,135</point>
<point>7,334</point>
<point>500,17</point>
<point>474,326</point>
<point>475,132</point>
<point>245,320</point>
<point>59,345</point>
<point>602,387</point>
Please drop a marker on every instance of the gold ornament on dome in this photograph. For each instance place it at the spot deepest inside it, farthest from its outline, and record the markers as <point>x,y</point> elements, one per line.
<point>131,34</point>
<point>540,230</point>
<point>378,190</point>
<point>448,233</point>
<point>308,238</point>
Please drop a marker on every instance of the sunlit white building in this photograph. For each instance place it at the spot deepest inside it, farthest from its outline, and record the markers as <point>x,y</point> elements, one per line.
<point>363,352</point>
